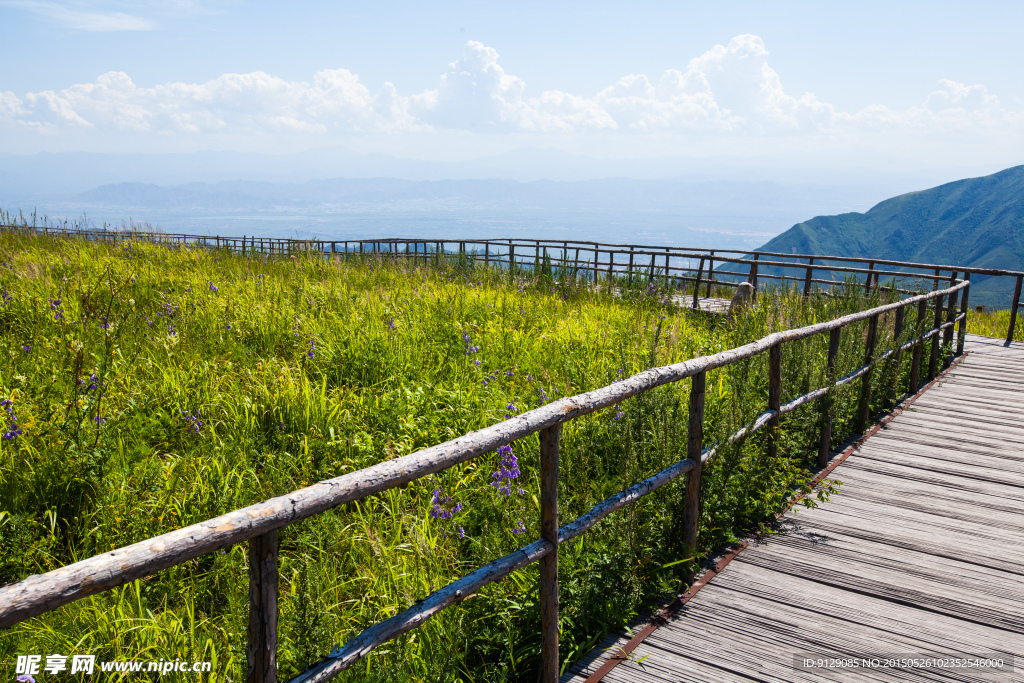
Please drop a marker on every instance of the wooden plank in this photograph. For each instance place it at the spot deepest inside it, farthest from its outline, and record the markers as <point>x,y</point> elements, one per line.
<point>934,499</point>
<point>913,536</point>
<point>933,594</point>
<point>885,617</point>
<point>976,461</point>
<point>911,474</point>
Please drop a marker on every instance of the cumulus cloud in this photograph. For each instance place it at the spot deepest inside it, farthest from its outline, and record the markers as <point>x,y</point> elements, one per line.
<point>236,103</point>
<point>730,90</point>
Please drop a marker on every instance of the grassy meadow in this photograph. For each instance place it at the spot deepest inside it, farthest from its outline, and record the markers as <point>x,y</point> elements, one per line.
<point>148,387</point>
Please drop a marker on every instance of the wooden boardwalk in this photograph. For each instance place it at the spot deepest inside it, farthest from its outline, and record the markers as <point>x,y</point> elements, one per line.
<point>920,555</point>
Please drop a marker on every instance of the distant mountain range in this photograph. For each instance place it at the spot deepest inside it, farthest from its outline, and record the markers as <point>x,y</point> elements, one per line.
<point>975,222</point>
<point>724,214</point>
<point>385,194</point>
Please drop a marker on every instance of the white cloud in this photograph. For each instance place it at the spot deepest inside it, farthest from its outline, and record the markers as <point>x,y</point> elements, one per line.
<point>81,18</point>
<point>729,92</point>
<point>252,103</point>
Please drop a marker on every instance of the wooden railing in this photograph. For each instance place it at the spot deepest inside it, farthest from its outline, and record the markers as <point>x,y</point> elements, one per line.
<point>259,524</point>
<point>596,260</point>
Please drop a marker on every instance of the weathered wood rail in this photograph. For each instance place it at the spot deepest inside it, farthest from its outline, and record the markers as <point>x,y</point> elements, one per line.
<point>596,261</point>
<point>259,524</point>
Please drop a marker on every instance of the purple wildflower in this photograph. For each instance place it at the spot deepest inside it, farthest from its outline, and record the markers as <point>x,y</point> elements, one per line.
<point>55,306</point>
<point>27,348</point>
<point>508,469</point>
<point>25,678</point>
<point>312,347</point>
<point>444,507</point>
<point>511,408</point>
<point>13,430</point>
<point>619,415</point>
<point>468,344</point>
<point>213,287</point>
<point>519,528</point>
<point>194,422</point>
<point>391,324</point>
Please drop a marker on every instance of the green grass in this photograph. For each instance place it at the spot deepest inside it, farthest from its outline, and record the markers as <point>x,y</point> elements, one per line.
<point>302,369</point>
<point>995,323</point>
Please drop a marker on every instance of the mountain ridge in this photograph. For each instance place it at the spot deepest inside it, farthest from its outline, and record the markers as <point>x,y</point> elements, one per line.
<point>971,222</point>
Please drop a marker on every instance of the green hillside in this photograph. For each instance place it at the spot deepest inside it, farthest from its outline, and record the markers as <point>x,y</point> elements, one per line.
<point>976,222</point>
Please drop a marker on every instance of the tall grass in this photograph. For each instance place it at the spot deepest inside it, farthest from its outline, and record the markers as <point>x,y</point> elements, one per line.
<point>155,387</point>
<point>995,323</point>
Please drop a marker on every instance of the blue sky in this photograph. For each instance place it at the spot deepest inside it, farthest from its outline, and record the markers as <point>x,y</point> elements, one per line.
<point>800,83</point>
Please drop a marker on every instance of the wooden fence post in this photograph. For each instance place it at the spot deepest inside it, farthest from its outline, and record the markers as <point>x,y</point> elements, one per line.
<point>696,286</point>
<point>650,273</point>
<point>487,255</point>
<point>947,335</point>
<point>1013,310</point>
<point>597,255</point>
<point>807,278</point>
<point>864,408</point>
<point>962,329</point>
<point>915,364</point>
<point>897,332</point>
<point>711,273</point>
<point>752,278</point>
<point>694,447</point>
<point>828,402</point>
<point>511,257</point>
<point>261,653</point>
<point>666,266</point>
<point>629,278</point>
<point>867,279</point>
<point>933,357</point>
<point>549,563</point>
<point>774,397</point>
